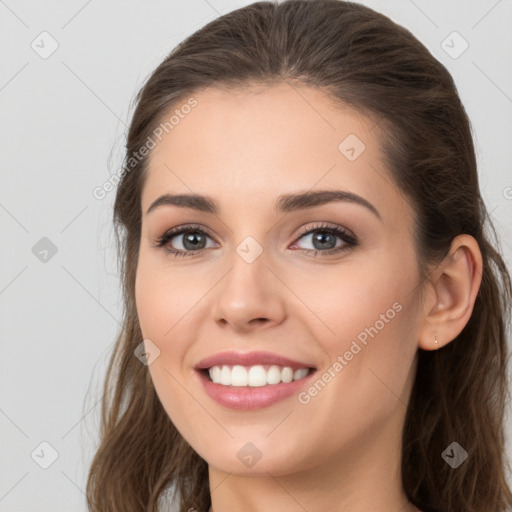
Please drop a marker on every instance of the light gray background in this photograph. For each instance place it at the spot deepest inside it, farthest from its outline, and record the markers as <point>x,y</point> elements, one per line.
<point>63,122</point>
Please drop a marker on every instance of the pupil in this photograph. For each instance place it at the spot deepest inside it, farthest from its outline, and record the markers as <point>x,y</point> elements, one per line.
<point>190,239</point>
<point>321,238</point>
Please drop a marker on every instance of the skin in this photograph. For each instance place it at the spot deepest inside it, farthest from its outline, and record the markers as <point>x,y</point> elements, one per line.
<point>244,148</point>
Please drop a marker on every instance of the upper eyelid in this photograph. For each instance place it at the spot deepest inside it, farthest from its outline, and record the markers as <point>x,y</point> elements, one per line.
<point>325,225</point>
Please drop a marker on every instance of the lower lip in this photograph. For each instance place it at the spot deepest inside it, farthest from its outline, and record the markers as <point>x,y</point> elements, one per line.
<point>249,398</point>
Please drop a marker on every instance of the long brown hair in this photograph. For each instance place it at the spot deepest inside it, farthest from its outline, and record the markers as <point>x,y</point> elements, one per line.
<point>361,58</point>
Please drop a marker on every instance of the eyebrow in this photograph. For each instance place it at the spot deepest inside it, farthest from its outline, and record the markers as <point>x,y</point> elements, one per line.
<point>285,203</point>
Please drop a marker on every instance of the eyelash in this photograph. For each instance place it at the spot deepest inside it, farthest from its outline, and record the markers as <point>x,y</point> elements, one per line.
<point>345,235</point>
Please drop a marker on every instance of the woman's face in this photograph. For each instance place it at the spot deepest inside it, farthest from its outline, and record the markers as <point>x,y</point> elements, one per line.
<point>249,281</point>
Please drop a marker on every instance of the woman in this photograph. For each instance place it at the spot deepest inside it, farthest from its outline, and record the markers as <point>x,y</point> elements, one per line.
<point>315,313</point>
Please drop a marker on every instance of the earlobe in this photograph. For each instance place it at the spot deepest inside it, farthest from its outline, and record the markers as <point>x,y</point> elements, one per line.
<point>454,287</point>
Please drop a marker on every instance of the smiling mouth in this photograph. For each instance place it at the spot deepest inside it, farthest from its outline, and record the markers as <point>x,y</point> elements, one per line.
<point>255,375</point>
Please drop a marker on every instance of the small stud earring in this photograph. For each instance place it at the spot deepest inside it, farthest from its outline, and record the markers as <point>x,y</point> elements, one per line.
<point>436,341</point>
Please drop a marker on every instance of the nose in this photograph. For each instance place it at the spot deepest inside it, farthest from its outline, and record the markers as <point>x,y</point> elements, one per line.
<point>249,296</point>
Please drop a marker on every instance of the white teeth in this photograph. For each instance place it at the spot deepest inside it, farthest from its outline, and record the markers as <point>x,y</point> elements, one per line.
<point>287,375</point>
<point>257,376</point>
<point>274,375</point>
<point>215,373</point>
<point>225,376</point>
<point>299,374</point>
<point>254,376</point>
<point>238,376</point>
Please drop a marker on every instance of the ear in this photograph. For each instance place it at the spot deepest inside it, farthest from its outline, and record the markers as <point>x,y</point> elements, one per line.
<point>452,290</point>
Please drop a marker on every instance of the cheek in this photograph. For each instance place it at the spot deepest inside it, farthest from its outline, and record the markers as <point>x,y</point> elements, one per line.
<point>159,309</point>
<point>163,297</point>
<point>367,316</point>
<point>167,303</point>
<point>346,301</point>
<point>148,298</point>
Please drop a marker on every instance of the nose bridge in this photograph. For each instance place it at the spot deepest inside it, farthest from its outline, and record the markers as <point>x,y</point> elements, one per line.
<point>249,265</point>
<point>249,233</point>
<point>252,239</point>
<point>252,245</point>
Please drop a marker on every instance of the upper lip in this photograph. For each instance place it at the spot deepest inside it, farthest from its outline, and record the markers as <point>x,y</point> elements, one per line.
<point>249,359</point>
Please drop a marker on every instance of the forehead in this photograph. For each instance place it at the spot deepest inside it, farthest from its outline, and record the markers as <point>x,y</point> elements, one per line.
<point>250,145</point>
<point>236,124</point>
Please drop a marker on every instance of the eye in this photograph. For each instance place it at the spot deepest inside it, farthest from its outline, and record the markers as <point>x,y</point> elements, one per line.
<point>192,242</point>
<point>323,237</point>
